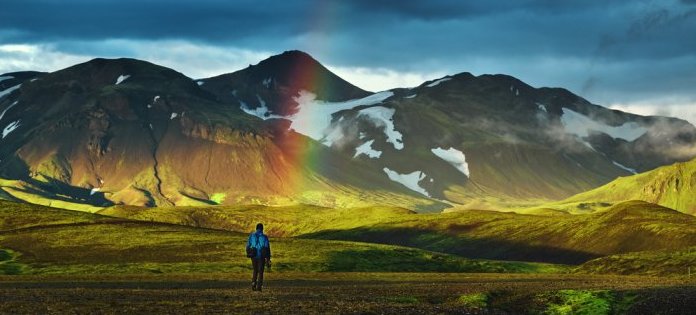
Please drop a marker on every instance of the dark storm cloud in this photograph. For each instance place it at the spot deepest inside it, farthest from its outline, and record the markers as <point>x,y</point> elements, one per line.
<point>403,31</point>
<point>435,10</point>
<point>210,20</point>
<point>584,45</point>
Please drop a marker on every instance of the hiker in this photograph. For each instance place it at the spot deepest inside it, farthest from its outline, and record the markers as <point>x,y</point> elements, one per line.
<point>258,248</point>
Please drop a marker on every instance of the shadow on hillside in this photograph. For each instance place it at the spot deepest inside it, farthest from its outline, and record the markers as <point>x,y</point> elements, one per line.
<point>55,189</point>
<point>412,260</point>
<point>392,261</point>
<point>15,168</point>
<point>477,248</point>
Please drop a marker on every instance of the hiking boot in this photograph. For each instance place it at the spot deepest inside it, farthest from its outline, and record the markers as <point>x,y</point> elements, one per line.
<point>258,288</point>
<point>253,286</point>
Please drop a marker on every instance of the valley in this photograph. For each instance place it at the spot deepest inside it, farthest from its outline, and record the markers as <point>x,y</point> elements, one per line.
<point>54,260</point>
<point>464,194</point>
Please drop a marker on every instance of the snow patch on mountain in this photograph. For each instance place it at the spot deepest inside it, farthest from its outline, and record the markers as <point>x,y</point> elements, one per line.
<point>454,157</point>
<point>384,117</point>
<point>366,149</point>
<point>580,125</point>
<point>261,111</point>
<point>10,128</point>
<point>154,100</point>
<point>6,78</point>
<point>313,117</point>
<point>438,82</point>
<point>8,108</point>
<point>588,145</point>
<point>410,180</point>
<point>334,135</point>
<point>200,83</point>
<point>122,78</point>
<point>173,116</point>
<point>411,96</point>
<point>625,168</point>
<point>9,90</point>
<point>267,82</point>
<point>262,103</point>
<point>542,107</point>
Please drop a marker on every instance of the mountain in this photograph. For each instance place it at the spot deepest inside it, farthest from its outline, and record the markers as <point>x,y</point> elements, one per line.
<point>12,79</point>
<point>126,131</point>
<point>478,141</point>
<point>289,131</point>
<point>274,82</point>
<point>672,186</point>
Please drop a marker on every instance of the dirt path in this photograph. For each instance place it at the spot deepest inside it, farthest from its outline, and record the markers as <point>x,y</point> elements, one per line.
<point>295,293</point>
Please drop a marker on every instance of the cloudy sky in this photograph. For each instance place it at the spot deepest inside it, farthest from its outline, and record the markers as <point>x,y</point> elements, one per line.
<point>633,55</point>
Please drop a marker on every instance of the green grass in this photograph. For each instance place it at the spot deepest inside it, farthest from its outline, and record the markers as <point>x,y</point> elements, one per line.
<point>625,227</point>
<point>310,238</point>
<point>580,302</point>
<point>37,240</point>
<point>218,197</point>
<point>585,301</point>
<point>672,186</point>
<point>8,263</point>
<point>676,263</point>
<point>18,190</point>
<point>14,215</point>
<point>474,300</point>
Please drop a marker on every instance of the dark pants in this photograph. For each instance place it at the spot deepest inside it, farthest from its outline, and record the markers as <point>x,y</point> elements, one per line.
<point>259,265</point>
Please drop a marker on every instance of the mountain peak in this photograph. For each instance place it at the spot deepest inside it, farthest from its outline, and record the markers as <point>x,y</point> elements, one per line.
<point>293,56</point>
<point>101,72</point>
<point>287,73</point>
<point>129,65</point>
<point>298,70</point>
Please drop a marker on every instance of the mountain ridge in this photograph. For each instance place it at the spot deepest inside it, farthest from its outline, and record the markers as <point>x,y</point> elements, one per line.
<point>460,140</point>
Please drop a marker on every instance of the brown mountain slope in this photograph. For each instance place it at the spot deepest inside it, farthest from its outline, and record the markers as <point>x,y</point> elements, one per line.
<point>127,131</point>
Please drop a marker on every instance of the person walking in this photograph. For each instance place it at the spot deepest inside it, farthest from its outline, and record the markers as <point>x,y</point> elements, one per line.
<point>258,248</point>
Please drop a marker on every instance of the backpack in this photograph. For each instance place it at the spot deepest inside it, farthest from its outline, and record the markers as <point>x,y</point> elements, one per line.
<point>251,252</point>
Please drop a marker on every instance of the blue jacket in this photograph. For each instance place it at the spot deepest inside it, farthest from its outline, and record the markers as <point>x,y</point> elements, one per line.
<point>259,241</point>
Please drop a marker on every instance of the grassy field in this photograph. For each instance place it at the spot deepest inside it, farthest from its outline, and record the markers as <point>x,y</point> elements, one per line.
<point>679,263</point>
<point>361,260</point>
<point>569,239</point>
<point>347,293</point>
<point>37,240</point>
